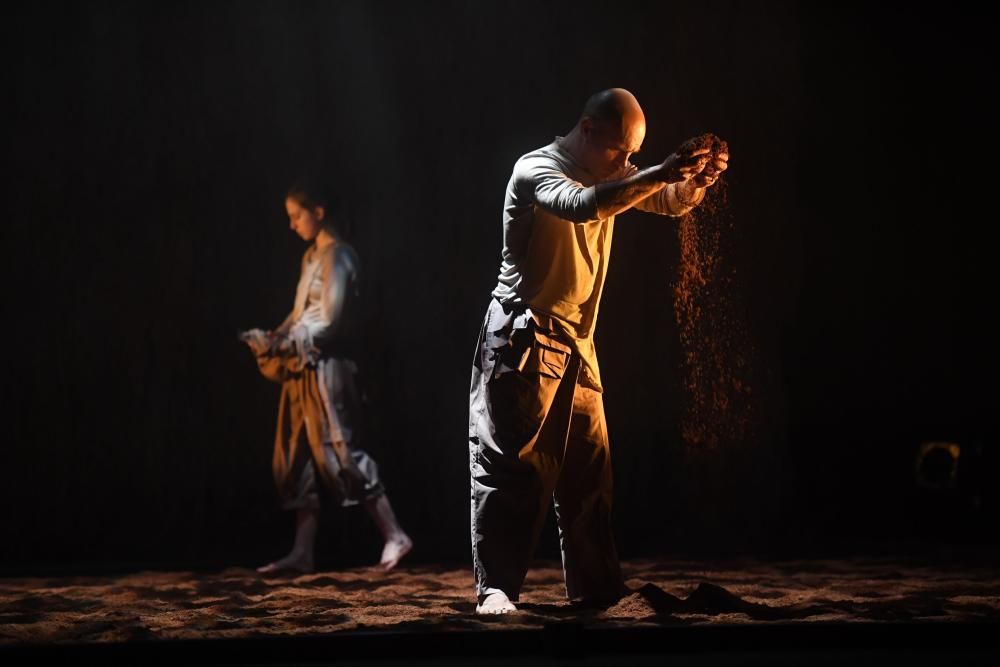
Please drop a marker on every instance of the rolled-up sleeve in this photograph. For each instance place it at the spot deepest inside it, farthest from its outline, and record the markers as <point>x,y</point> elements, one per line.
<point>665,201</point>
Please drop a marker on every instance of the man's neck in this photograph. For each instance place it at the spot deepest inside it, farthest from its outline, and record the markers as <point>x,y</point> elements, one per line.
<point>572,143</point>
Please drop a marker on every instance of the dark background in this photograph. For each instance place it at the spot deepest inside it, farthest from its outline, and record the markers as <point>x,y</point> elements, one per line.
<point>149,148</point>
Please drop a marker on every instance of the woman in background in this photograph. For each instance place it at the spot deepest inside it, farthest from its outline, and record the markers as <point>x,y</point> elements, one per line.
<point>318,413</point>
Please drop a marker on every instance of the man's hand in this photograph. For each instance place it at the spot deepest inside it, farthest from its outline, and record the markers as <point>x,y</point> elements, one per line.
<point>717,163</point>
<point>692,191</point>
<point>706,153</point>
<point>713,159</point>
<point>685,163</point>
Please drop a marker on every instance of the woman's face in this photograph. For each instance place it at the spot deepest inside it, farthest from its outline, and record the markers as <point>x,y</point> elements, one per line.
<point>306,222</point>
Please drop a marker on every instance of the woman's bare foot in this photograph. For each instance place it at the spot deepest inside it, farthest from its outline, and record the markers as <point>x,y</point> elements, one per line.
<point>496,602</point>
<point>293,562</point>
<point>394,550</point>
<point>397,542</point>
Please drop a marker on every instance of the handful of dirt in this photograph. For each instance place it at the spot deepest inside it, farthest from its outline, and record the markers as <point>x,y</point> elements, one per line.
<point>705,141</point>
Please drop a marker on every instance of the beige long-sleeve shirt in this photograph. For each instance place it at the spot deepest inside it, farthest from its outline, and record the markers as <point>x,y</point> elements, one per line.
<point>556,249</point>
<point>325,277</point>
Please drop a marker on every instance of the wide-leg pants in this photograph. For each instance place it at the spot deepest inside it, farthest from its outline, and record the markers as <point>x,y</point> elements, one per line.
<point>317,438</point>
<point>536,434</point>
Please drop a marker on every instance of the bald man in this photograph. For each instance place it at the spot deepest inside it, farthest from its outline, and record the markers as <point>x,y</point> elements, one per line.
<point>536,415</point>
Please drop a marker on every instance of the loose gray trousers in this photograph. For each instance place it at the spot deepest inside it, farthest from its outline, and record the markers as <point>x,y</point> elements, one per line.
<point>536,434</point>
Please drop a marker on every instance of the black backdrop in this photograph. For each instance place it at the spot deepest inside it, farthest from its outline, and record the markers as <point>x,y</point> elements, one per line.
<point>149,148</point>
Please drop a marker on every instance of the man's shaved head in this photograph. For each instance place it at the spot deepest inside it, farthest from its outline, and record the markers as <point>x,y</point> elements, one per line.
<point>612,126</point>
<point>614,105</point>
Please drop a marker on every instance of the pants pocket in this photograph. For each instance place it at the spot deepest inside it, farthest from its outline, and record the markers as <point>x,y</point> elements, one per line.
<point>549,353</point>
<point>545,361</point>
<point>517,343</point>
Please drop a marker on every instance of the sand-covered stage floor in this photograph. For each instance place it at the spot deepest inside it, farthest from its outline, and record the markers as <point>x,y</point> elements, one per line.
<point>237,603</point>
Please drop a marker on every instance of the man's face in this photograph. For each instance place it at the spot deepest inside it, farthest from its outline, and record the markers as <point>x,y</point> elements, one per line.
<point>305,222</point>
<point>611,144</point>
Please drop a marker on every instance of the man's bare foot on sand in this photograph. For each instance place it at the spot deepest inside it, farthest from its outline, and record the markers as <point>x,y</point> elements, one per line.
<point>292,563</point>
<point>496,603</point>
<point>393,552</point>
